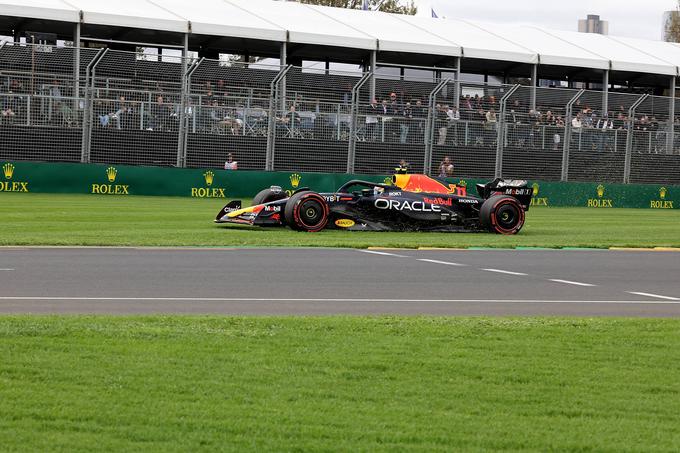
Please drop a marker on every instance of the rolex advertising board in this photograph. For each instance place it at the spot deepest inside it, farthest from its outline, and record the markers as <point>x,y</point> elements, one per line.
<point>123,180</point>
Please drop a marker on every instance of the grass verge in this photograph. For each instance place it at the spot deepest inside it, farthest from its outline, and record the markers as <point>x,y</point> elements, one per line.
<point>37,219</point>
<point>354,384</point>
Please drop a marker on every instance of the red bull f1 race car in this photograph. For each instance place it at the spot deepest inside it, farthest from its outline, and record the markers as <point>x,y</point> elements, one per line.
<point>410,203</point>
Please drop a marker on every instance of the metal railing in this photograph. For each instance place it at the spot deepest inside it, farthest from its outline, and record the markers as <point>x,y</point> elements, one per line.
<point>113,107</point>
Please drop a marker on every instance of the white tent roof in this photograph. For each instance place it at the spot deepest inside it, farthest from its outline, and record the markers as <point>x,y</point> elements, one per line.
<point>621,56</point>
<point>392,34</point>
<point>307,25</point>
<point>667,52</point>
<point>475,41</point>
<point>40,9</point>
<point>216,17</point>
<point>129,13</point>
<point>293,22</point>
<point>552,50</point>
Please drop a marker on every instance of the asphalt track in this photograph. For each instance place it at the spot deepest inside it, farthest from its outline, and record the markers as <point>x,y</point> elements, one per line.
<point>339,281</point>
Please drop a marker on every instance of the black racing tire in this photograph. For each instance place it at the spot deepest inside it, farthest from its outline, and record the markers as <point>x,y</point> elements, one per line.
<point>307,211</point>
<point>502,214</point>
<point>268,195</point>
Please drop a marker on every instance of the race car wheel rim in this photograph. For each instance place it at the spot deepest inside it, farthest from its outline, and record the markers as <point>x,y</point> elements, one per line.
<point>310,212</point>
<point>508,217</point>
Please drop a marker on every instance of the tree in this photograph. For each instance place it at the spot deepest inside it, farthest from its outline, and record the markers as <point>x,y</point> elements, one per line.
<point>671,26</point>
<point>388,6</point>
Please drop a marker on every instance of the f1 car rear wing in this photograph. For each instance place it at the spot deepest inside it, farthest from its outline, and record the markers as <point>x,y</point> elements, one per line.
<point>517,188</point>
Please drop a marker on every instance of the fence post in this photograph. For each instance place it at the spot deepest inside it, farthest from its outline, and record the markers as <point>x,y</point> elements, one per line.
<point>183,132</point>
<point>86,142</point>
<point>629,138</point>
<point>354,118</point>
<point>430,124</point>
<point>566,145</point>
<point>500,136</point>
<point>271,119</point>
<point>670,131</point>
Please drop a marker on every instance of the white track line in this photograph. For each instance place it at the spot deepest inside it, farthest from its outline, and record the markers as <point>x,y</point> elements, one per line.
<point>652,295</point>
<point>569,282</point>
<point>383,253</point>
<point>6,269</point>
<point>267,299</point>
<point>501,271</point>
<point>441,262</point>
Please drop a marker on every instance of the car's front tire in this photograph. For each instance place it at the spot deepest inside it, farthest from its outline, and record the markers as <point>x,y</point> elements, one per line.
<point>307,211</point>
<point>502,214</point>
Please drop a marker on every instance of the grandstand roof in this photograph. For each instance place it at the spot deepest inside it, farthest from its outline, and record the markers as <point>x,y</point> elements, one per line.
<point>275,22</point>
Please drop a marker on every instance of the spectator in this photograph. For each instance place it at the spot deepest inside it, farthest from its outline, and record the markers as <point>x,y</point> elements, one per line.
<point>420,113</point>
<point>402,168</point>
<point>161,112</point>
<point>372,112</point>
<point>55,91</point>
<point>446,167</point>
<point>292,121</point>
<point>65,113</point>
<point>442,122</point>
<point>230,164</point>
<point>393,112</point>
<point>121,115</point>
<point>9,107</point>
<point>407,116</point>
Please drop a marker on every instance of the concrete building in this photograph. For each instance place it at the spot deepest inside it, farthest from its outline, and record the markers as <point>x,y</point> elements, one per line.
<point>593,24</point>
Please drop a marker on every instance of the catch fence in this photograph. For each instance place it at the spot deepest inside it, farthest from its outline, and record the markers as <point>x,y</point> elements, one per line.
<point>62,104</point>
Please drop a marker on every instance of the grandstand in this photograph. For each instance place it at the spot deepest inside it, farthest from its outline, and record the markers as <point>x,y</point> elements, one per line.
<point>104,102</point>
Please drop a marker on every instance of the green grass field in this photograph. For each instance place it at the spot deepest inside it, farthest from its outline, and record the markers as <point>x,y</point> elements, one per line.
<point>174,383</point>
<point>33,219</point>
<point>338,384</point>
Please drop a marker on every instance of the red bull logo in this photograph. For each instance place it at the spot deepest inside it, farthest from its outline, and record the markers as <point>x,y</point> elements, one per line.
<point>422,183</point>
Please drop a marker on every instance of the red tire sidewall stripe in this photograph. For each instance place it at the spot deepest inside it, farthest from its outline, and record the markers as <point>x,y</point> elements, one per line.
<point>298,219</point>
<point>520,222</point>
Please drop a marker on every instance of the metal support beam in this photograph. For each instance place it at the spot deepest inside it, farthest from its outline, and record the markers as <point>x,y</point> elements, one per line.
<point>500,128</point>
<point>274,93</point>
<point>374,60</point>
<point>354,120</point>
<point>181,136</point>
<point>181,152</point>
<point>670,130</point>
<point>629,138</point>
<point>566,143</point>
<point>430,124</point>
<point>457,85</point>
<point>534,84</point>
<point>76,68</point>
<point>183,133</point>
<point>86,142</point>
<point>283,63</point>
<point>605,92</point>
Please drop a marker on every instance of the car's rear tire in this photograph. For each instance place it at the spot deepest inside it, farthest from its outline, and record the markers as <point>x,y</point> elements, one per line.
<point>268,195</point>
<point>307,211</point>
<point>502,214</point>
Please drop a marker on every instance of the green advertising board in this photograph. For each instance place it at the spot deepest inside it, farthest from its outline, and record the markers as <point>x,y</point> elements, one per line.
<point>123,180</point>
